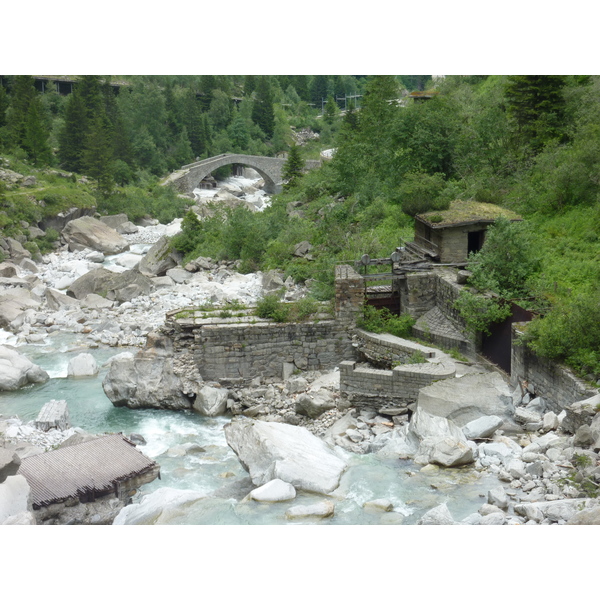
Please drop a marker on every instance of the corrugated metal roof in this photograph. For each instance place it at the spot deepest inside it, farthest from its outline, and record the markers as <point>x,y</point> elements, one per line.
<point>76,471</point>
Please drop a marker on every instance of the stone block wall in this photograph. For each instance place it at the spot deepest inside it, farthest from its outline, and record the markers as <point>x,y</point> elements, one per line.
<point>553,382</point>
<point>380,350</point>
<point>349,295</point>
<point>399,387</point>
<point>243,351</point>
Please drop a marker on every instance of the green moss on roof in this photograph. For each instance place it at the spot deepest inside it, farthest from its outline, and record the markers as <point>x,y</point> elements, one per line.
<point>466,211</point>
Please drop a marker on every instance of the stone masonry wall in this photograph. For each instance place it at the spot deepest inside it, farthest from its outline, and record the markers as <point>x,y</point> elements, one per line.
<point>556,384</point>
<point>399,387</point>
<point>243,351</point>
<point>349,295</point>
<point>379,350</point>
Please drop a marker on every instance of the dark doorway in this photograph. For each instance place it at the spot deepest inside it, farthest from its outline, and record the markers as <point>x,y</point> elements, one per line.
<point>496,347</point>
<point>475,241</point>
<point>384,298</point>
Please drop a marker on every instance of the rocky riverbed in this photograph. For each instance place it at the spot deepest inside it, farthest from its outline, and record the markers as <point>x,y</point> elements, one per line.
<point>536,467</point>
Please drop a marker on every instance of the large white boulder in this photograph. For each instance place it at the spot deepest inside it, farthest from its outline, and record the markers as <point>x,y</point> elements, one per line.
<point>158,507</point>
<point>467,398</point>
<point>269,450</point>
<point>211,401</point>
<point>439,515</point>
<point>440,440</point>
<point>13,303</point>
<point>87,232</point>
<point>274,491</point>
<point>159,259</point>
<point>144,381</point>
<point>82,365</point>
<point>17,370</point>
<point>14,497</point>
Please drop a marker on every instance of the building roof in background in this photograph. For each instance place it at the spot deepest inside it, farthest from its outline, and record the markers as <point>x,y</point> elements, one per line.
<point>466,212</point>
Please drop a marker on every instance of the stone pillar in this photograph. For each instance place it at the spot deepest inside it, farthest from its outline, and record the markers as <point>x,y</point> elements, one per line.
<point>349,295</point>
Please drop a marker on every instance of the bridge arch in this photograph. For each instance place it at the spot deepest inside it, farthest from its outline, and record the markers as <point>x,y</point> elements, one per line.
<point>189,177</point>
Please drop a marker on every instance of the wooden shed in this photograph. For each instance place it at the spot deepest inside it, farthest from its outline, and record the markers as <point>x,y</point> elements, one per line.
<point>448,236</point>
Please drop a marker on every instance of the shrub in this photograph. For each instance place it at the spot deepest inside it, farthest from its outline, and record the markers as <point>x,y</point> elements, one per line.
<point>383,321</point>
<point>267,306</point>
<point>479,312</point>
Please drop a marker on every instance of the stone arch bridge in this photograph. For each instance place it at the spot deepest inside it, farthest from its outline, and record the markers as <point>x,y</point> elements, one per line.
<point>189,177</point>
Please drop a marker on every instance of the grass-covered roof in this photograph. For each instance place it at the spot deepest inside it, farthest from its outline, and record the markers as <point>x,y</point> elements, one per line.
<point>464,212</point>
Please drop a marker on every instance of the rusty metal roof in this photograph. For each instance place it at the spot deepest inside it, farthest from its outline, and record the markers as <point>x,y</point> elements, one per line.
<point>76,471</point>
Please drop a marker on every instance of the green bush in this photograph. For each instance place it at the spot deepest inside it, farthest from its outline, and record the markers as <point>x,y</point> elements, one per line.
<point>570,332</point>
<point>383,321</point>
<point>479,312</point>
<point>267,306</point>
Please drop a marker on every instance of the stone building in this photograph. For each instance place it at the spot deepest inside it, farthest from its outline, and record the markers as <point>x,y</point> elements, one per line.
<point>448,236</point>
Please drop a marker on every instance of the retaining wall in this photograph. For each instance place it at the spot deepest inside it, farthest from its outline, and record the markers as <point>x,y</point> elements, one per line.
<point>399,387</point>
<point>243,351</point>
<point>556,384</point>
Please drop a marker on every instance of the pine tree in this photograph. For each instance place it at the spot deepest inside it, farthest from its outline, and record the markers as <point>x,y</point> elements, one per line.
<point>262,111</point>
<point>22,94</point>
<point>71,139</point>
<point>535,104</point>
<point>3,105</point>
<point>331,110</point>
<point>293,168</point>
<point>249,84</point>
<point>318,90</point>
<point>97,155</point>
<point>36,134</point>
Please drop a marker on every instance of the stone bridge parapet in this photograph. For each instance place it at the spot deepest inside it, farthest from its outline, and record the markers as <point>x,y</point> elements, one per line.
<point>189,176</point>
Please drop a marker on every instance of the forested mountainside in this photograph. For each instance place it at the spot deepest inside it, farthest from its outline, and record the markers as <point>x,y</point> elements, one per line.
<point>527,143</point>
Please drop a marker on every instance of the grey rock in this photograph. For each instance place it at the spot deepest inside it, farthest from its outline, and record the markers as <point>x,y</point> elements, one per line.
<point>440,515</point>
<point>275,490</point>
<point>550,421</point>
<point>57,300</point>
<point>96,257</point>
<point>113,221</point>
<point>159,259</point>
<point>95,301</point>
<point>493,519</point>
<point>16,250</point>
<point>467,398</point>
<point>112,286</point>
<point>440,440</point>
<point>145,381</point>
<point>498,497</point>
<point>483,427</point>
<point>321,509</point>
<point>9,464</point>
<point>580,413</point>
<point>87,232</point>
<point>8,269</point>
<point>82,365</point>
<point>15,497</point>
<point>589,516</point>
<point>272,281</point>
<point>17,370</point>
<point>211,401</point>
<point>314,405</point>
<point>379,504</point>
<point>13,303</point>
<point>158,507</point>
<point>281,451</point>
